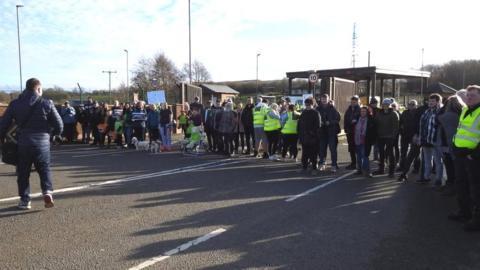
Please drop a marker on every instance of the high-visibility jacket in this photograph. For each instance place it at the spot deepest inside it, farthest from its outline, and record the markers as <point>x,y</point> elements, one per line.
<point>468,131</point>
<point>290,126</point>
<point>259,116</point>
<point>271,124</point>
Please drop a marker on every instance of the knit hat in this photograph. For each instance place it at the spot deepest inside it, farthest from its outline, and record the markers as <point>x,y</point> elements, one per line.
<point>387,101</point>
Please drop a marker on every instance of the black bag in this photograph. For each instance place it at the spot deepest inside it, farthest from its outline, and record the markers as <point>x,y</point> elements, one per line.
<point>10,147</point>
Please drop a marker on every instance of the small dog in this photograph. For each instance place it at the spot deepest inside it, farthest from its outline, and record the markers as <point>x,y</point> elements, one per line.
<point>140,146</point>
<point>155,147</point>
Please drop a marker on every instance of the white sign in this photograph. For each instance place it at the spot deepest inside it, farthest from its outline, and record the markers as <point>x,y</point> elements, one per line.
<point>313,77</point>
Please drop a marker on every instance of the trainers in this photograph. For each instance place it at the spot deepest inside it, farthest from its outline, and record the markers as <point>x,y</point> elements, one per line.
<point>322,168</point>
<point>402,178</point>
<point>24,205</point>
<point>48,199</point>
<point>334,169</point>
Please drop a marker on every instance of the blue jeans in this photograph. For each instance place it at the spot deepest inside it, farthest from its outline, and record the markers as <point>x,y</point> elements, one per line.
<point>362,158</point>
<point>330,139</point>
<point>166,133</point>
<point>127,132</point>
<point>434,153</point>
<point>40,157</point>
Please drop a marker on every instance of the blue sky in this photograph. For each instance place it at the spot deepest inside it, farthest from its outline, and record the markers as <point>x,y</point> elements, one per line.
<point>70,41</point>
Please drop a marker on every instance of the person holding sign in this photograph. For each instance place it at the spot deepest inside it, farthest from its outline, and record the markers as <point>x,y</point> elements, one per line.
<point>139,117</point>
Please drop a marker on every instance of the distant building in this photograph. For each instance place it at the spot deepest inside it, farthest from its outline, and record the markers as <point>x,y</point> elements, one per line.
<point>217,91</point>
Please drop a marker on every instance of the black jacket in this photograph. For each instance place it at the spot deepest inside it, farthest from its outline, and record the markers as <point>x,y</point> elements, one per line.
<point>36,131</point>
<point>308,127</point>
<point>352,113</point>
<point>329,114</point>
<point>408,124</point>
<point>247,116</point>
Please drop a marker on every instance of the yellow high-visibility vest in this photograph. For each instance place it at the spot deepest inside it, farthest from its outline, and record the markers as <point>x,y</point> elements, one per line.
<point>290,126</point>
<point>468,131</point>
<point>259,116</point>
<point>271,124</point>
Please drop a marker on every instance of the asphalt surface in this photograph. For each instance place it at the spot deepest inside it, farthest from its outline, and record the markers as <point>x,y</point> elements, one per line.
<point>158,202</point>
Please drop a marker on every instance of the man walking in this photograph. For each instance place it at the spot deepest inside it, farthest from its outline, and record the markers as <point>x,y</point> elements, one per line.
<point>36,116</point>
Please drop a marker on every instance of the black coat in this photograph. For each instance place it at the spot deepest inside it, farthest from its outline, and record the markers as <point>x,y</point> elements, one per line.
<point>352,113</point>
<point>308,127</point>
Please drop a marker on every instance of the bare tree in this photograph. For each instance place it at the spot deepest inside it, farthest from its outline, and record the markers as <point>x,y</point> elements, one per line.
<point>200,73</point>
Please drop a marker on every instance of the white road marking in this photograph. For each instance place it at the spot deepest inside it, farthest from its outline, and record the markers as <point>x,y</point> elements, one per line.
<point>135,178</point>
<point>178,249</point>
<point>104,153</point>
<point>292,198</point>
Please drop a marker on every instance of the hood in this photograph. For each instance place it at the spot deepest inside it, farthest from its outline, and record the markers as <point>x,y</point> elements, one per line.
<point>29,96</point>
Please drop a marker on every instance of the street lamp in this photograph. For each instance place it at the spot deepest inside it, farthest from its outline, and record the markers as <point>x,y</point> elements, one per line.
<point>109,83</point>
<point>189,44</point>
<point>257,72</point>
<point>128,82</point>
<point>19,52</point>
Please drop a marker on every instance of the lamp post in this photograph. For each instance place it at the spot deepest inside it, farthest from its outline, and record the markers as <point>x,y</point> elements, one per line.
<point>189,44</point>
<point>257,72</point>
<point>109,83</point>
<point>128,82</point>
<point>19,51</point>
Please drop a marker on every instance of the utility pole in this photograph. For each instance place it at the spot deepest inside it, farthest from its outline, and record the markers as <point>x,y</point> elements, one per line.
<point>128,82</point>
<point>80,89</point>
<point>189,44</point>
<point>109,83</point>
<point>354,44</point>
<point>19,51</point>
<point>257,72</point>
<point>421,85</point>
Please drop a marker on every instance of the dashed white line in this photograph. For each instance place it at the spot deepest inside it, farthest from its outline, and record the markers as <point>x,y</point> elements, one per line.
<point>138,177</point>
<point>178,249</point>
<point>292,198</point>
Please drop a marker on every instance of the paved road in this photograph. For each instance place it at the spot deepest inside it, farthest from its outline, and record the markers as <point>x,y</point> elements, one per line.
<point>209,212</point>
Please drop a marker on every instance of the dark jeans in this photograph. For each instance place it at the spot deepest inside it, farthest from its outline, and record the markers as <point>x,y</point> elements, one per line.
<point>467,184</point>
<point>362,158</point>
<point>209,133</point>
<point>69,131</point>
<point>227,139</point>
<point>86,133</point>
<point>404,144</point>
<point>40,157</point>
<point>351,148</point>
<point>396,148</point>
<point>385,147</point>
<point>413,156</point>
<point>330,139</point>
<point>96,134</point>
<point>249,134</point>
<point>309,155</point>
<point>239,140</point>
<point>218,141</point>
<point>139,133</point>
<point>290,144</point>
<point>272,137</point>
<point>450,168</point>
<point>153,134</point>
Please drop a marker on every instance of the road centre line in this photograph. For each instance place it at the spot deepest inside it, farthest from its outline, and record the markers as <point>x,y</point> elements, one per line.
<point>178,249</point>
<point>138,177</point>
<point>292,198</point>
<point>104,153</point>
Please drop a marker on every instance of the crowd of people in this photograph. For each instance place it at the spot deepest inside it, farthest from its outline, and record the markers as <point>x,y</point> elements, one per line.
<point>439,134</point>
<point>430,137</point>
